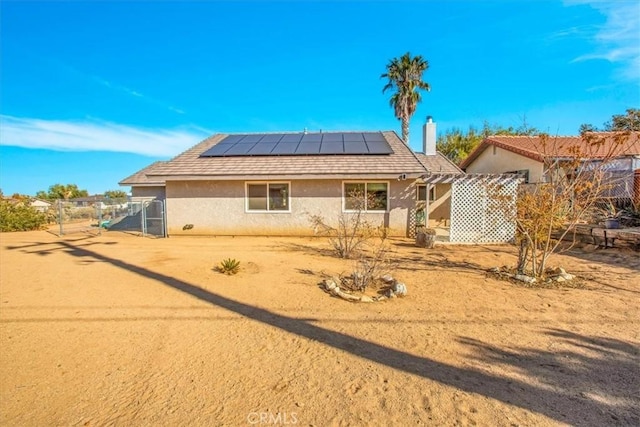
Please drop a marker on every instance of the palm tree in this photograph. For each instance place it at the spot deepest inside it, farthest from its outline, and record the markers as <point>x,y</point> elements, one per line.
<point>405,76</point>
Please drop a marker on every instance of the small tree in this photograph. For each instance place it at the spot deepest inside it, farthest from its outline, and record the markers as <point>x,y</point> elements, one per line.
<point>547,213</point>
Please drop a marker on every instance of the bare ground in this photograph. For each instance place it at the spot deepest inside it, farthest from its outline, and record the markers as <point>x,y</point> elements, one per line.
<point>123,330</point>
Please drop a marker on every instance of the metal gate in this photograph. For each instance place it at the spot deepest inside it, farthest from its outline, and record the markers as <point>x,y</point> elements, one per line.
<point>483,209</point>
<point>153,218</point>
<point>142,216</point>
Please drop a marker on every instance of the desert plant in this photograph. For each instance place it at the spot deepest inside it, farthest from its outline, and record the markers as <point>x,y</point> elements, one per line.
<point>229,266</point>
<point>352,230</point>
<point>372,265</point>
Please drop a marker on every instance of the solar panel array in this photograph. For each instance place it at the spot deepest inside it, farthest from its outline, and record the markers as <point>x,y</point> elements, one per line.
<point>300,144</point>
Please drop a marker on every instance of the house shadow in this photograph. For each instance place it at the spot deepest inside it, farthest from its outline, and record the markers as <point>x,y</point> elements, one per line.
<point>554,398</point>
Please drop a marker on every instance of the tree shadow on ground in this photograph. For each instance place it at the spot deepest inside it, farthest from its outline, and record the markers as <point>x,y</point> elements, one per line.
<point>580,370</point>
<point>557,402</point>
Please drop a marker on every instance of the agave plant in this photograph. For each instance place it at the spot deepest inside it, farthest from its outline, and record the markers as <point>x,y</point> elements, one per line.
<point>229,266</point>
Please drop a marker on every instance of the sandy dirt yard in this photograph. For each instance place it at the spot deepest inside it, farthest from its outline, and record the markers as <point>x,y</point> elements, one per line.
<point>124,330</point>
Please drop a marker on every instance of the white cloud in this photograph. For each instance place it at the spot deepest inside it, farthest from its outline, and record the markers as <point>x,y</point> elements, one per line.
<point>618,39</point>
<point>96,136</point>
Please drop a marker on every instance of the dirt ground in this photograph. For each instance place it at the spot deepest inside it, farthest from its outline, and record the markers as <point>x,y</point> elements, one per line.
<point>124,330</point>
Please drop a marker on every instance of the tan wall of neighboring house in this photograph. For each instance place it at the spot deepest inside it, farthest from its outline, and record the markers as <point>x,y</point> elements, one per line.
<point>218,208</point>
<point>145,192</point>
<point>505,161</point>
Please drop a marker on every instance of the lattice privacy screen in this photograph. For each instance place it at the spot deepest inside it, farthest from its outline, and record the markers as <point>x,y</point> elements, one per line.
<point>483,210</point>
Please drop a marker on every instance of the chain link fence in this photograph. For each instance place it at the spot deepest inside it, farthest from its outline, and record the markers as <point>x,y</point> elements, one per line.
<point>143,217</point>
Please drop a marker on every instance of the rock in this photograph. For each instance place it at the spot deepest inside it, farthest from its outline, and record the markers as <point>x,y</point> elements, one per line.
<point>329,284</point>
<point>347,296</point>
<point>335,291</point>
<point>387,279</point>
<point>567,276</point>
<point>399,289</point>
<point>365,298</point>
<point>523,278</point>
<point>560,279</point>
<point>494,270</point>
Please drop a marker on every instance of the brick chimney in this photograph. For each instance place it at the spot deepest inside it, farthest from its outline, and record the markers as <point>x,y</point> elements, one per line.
<point>429,137</point>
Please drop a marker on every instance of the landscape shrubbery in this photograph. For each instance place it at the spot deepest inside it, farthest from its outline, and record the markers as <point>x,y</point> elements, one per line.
<point>19,216</point>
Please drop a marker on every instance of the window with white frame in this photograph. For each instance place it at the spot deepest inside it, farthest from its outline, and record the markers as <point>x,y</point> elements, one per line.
<point>267,197</point>
<point>422,193</point>
<point>366,196</point>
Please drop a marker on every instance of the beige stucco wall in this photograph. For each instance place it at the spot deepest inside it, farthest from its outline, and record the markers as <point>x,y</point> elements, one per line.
<point>218,208</point>
<point>440,208</point>
<point>505,161</point>
<point>155,192</point>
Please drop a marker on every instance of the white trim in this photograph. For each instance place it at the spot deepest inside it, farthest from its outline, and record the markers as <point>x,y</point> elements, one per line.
<point>365,182</point>
<point>267,183</point>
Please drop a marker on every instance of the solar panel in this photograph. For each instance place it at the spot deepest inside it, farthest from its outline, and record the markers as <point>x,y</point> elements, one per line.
<point>332,137</point>
<point>232,139</point>
<point>291,137</point>
<point>378,147</point>
<point>262,149</point>
<point>374,137</point>
<point>285,148</point>
<point>353,137</point>
<point>332,147</point>
<point>217,150</point>
<point>308,148</point>
<point>300,144</point>
<point>312,137</point>
<point>355,147</point>
<point>251,139</point>
<point>273,137</point>
<point>239,149</point>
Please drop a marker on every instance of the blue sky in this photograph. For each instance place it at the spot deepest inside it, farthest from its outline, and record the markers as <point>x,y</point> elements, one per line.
<point>91,92</point>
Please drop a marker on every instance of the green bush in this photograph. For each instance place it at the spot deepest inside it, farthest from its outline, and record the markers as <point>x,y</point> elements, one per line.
<point>18,216</point>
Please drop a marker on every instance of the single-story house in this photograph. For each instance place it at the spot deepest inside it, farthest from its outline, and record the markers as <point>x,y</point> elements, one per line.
<point>529,156</point>
<point>272,183</point>
<point>40,205</point>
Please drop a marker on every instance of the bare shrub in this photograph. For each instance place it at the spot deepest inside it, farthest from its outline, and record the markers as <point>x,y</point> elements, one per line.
<point>353,229</point>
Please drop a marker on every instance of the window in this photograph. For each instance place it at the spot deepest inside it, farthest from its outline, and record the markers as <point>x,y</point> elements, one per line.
<point>267,197</point>
<point>422,193</point>
<point>366,196</point>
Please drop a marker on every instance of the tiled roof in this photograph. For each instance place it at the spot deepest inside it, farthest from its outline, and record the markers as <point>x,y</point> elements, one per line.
<point>438,163</point>
<point>189,164</point>
<point>596,145</point>
<point>142,177</point>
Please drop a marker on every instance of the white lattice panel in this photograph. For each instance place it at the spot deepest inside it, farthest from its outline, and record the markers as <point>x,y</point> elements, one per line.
<point>483,210</point>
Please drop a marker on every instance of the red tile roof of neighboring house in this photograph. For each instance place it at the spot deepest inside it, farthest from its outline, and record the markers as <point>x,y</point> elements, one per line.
<point>595,145</point>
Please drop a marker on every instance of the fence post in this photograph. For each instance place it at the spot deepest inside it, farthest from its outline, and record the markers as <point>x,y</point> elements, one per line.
<point>60,216</point>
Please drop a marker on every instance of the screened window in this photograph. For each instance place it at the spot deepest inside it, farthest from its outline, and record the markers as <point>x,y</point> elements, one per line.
<point>366,196</point>
<point>422,193</point>
<point>268,197</point>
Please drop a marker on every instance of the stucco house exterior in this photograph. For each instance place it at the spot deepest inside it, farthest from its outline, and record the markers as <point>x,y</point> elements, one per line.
<point>527,155</point>
<point>272,183</point>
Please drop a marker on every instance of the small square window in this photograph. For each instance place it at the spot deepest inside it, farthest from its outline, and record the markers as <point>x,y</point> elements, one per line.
<point>366,196</point>
<point>267,197</point>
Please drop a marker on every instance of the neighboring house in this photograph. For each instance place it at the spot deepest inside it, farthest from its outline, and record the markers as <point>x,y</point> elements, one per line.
<point>40,205</point>
<point>526,155</point>
<point>272,183</point>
